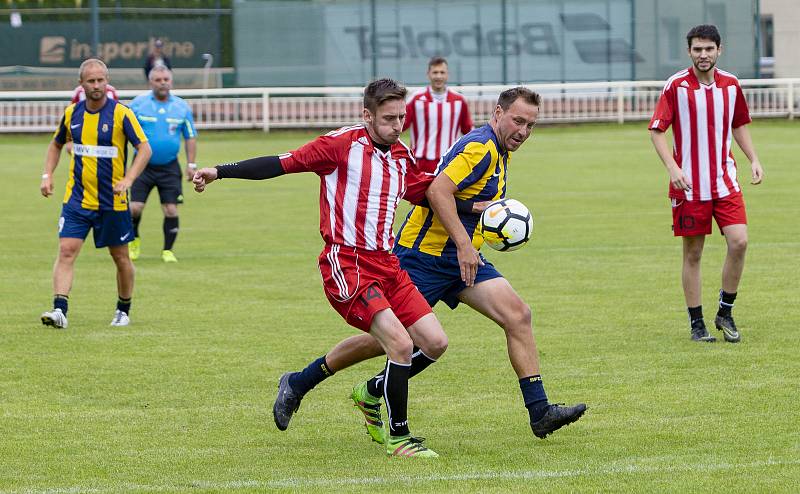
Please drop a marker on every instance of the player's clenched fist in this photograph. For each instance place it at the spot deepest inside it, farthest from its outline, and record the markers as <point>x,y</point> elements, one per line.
<point>47,185</point>
<point>203,177</point>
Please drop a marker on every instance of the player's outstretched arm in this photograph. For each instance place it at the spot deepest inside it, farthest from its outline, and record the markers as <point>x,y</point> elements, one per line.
<point>203,177</point>
<point>50,164</point>
<point>253,169</point>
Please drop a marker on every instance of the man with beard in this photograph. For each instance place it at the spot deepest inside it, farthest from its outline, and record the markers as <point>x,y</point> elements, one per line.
<point>705,107</point>
<point>438,247</point>
<point>364,171</point>
<point>96,197</point>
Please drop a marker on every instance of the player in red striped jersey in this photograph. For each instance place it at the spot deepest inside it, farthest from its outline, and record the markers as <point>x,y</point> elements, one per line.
<point>437,117</point>
<point>364,171</point>
<point>706,108</point>
<point>479,166</point>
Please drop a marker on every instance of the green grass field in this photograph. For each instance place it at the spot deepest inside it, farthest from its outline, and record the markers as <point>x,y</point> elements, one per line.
<point>181,400</point>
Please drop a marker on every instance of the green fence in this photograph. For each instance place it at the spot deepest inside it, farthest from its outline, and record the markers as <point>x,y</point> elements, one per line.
<point>333,43</point>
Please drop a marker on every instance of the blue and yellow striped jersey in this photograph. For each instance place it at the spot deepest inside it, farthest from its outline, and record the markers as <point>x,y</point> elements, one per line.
<point>478,169</point>
<point>100,152</point>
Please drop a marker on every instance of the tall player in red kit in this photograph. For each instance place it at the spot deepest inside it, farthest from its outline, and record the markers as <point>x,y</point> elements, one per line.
<point>706,109</point>
<point>364,171</point>
<point>437,117</point>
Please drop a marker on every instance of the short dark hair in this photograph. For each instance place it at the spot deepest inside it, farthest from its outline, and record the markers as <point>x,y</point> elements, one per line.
<point>704,31</point>
<point>380,91</point>
<point>436,61</point>
<point>509,96</point>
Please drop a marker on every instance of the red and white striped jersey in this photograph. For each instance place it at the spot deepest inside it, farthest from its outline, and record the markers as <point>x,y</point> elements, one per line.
<point>702,118</point>
<point>79,94</point>
<point>360,186</point>
<point>436,123</point>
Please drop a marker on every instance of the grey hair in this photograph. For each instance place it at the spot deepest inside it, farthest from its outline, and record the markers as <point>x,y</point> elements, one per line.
<point>159,68</point>
<point>91,61</point>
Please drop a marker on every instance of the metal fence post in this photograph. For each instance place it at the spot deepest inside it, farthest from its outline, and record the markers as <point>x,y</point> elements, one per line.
<point>265,111</point>
<point>790,98</point>
<point>620,104</point>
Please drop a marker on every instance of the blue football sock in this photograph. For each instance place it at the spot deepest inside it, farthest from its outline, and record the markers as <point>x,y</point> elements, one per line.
<point>304,381</point>
<point>61,302</point>
<point>534,396</point>
<point>124,305</point>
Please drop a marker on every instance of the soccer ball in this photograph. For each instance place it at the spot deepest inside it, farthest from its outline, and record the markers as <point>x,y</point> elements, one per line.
<point>506,225</point>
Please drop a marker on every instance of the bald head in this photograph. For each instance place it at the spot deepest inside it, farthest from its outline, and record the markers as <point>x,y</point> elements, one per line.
<point>92,63</point>
<point>94,79</point>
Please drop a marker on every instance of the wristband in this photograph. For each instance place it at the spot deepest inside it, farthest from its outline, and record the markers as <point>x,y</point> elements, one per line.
<point>44,176</point>
<point>192,166</point>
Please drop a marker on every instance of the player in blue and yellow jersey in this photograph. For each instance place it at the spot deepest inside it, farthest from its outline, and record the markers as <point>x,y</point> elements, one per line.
<point>97,187</point>
<point>477,165</point>
<point>165,119</point>
<point>438,247</point>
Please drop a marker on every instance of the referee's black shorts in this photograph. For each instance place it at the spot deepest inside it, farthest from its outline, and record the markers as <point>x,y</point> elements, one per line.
<point>168,178</point>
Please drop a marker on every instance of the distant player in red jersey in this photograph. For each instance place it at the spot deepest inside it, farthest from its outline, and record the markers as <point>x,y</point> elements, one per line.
<point>364,171</point>
<point>706,108</point>
<point>437,117</point>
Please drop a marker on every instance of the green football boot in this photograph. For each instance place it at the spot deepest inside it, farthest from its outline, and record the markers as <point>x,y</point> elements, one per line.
<point>168,256</point>
<point>371,408</point>
<point>409,447</point>
<point>134,248</point>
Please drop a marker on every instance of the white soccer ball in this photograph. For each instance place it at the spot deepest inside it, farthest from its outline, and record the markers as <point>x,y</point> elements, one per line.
<point>506,225</point>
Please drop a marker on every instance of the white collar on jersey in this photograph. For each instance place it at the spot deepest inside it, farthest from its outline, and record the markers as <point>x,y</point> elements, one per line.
<point>438,97</point>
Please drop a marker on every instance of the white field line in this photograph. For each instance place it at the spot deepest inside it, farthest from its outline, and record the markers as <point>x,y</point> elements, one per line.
<point>631,469</point>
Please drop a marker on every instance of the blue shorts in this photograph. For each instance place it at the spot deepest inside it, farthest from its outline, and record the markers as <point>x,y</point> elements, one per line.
<point>439,278</point>
<point>110,228</point>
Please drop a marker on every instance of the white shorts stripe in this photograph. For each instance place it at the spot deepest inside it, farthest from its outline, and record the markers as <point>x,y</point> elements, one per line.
<point>336,273</point>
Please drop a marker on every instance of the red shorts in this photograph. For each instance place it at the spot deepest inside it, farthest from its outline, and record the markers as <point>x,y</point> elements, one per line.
<point>360,283</point>
<point>691,218</point>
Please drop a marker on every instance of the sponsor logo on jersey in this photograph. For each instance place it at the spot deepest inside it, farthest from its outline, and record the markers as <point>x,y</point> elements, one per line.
<point>95,151</point>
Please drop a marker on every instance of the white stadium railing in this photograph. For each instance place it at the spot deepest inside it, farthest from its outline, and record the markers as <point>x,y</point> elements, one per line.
<point>281,108</point>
